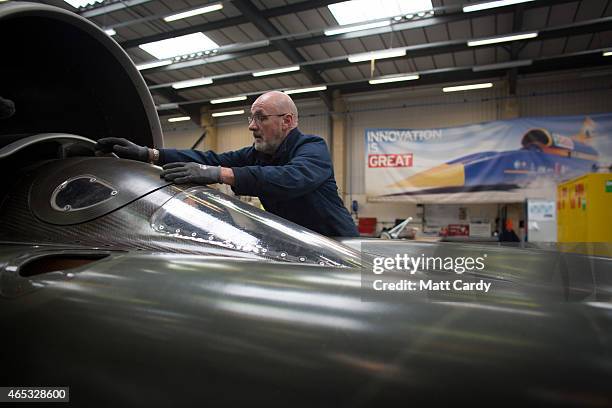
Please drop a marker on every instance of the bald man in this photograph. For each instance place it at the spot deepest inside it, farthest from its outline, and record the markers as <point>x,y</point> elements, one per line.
<point>290,172</point>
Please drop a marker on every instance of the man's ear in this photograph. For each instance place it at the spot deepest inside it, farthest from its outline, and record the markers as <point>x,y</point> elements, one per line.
<point>287,121</point>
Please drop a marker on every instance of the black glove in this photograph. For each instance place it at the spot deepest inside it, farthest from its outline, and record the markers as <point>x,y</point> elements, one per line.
<point>123,148</point>
<point>191,173</point>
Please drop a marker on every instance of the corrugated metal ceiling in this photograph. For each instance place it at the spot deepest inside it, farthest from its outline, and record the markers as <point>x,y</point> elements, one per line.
<point>436,42</point>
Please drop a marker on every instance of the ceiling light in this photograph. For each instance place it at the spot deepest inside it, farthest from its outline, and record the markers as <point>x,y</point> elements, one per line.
<point>357,11</point>
<point>302,90</point>
<point>192,82</point>
<point>179,119</point>
<point>505,38</point>
<point>607,54</point>
<point>194,12</point>
<point>183,45</point>
<point>82,3</point>
<point>367,56</point>
<point>153,64</point>
<point>502,65</point>
<point>492,4</point>
<point>231,99</point>
<point>110,32</point>
<point>276,71</point>
<point>385,80</point>
<point>228,113</point>
<point>467,87</point>
<point>359,27</point>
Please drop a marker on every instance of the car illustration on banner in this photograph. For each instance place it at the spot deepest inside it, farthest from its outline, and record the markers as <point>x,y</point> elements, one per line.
<point>543,154</point>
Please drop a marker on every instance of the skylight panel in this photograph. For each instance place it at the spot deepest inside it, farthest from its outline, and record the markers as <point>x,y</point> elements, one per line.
<point>82,3</point>
<point>185,44</point>
<point>356,11</point>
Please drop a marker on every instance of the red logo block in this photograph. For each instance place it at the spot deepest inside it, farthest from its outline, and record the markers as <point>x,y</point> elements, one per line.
<point>390,160</point>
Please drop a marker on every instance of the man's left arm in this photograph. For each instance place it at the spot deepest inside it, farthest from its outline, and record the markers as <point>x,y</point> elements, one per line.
<point>192,166</point>
<point>228,159</point>
<point>305,172</point>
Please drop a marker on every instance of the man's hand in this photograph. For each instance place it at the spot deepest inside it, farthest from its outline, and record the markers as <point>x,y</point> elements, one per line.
<point>123,148</point>
<point>191,173</point>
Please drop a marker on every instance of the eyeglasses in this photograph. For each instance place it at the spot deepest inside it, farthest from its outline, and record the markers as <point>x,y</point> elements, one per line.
<point>260,118</point>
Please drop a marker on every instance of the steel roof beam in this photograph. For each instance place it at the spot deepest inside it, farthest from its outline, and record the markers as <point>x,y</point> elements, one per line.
<point>228,22</point>
<point>252,14</point>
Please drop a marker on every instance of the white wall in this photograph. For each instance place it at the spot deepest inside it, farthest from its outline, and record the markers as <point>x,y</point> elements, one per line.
<point>567,94</point>
<point>571,94</point>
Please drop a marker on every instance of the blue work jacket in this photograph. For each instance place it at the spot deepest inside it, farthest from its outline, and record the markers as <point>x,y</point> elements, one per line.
<point>296,183</point>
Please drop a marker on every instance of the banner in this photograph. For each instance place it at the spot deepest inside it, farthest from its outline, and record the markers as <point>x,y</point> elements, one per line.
<point>502,161</point>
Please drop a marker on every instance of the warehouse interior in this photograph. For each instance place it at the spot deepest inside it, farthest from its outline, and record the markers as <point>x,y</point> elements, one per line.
<point>353,66</point>
<point>429,222</point>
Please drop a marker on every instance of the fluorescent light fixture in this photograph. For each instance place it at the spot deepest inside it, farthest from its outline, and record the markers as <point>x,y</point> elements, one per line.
<point>231,99</point>
<point>350,29</point>
<point>228,113</point>
<point>82,3</point>
<point>385,80</point>
<point>607,54</point>
<point>367,56</point>
<point>166,106</point>
<point>502,65</point>
<point>467,87</point>
<point>492,4</point>
<point>194,12</point>
<point>153,64</point>
<point>358,11</point>
<point>505,38</point>
<point>276,71</point>
<point>192,82</point>
<point>179,119</point>
<point>110,32</point>
<point>302,90</point>
<point>183,45</point>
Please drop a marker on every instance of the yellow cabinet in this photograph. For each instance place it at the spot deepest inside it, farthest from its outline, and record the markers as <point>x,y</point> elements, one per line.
<point>584,209</point>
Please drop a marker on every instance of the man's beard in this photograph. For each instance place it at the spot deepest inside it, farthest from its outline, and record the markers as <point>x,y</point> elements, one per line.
<point>268,147</point>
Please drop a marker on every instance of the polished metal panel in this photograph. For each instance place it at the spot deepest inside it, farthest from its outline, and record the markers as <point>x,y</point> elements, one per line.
<point>175,329</point>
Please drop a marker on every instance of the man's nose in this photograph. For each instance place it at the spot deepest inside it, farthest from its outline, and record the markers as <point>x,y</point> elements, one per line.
<point>253,125</point>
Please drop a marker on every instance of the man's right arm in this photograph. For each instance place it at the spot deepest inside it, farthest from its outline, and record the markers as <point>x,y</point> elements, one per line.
<point>129,150</point>
<point>237,158</point>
